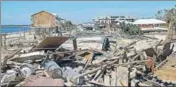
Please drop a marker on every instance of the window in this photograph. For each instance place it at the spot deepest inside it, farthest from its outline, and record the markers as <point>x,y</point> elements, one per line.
<point>156,25</point>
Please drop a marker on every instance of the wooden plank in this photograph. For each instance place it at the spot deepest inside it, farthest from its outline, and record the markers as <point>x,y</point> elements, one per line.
<point>97,74</point>
<point>100,76</point>
<point>10,56</point>
<point>157,45</point>
<point>113,78</point>
<point>97,83</point>
<point>107,80</point>
<point>159,65</point>
<point>94,70</point>
<point>131,44</point>
<point>89,60</point>
<point>74,44</point>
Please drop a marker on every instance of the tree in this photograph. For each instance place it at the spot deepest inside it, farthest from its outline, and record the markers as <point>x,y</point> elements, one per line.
<point>169,15</point>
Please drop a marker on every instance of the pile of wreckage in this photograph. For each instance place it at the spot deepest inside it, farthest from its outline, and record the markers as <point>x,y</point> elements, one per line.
<point>48,64</point>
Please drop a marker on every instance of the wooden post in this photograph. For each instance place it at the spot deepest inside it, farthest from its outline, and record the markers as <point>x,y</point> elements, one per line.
<point>24,33</point>
<point>20,32</point>
<point>107,80</point>
<point>0,49</point>
<point>1,39</point>
<point>129,79</point>
<point>9,56</point>
<point>5,41</point>
<point>74,44</point>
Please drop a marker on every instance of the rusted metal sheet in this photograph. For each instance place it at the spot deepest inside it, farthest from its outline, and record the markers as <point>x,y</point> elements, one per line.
<point>35,80</point>
<point>149,64</point>
<point>51,43</point>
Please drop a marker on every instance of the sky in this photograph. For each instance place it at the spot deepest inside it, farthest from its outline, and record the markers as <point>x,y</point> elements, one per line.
<point>19,12</point>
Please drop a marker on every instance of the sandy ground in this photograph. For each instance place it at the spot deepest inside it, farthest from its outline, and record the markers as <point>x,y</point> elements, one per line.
<point>167,71</point>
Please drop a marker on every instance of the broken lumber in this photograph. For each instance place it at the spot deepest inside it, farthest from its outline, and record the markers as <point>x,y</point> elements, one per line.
<point>113,78</point>
<point>97,83</point>
<point>10,56</point>
<point>94,70</point>
<point>107,79</point>
<point>159,65</point>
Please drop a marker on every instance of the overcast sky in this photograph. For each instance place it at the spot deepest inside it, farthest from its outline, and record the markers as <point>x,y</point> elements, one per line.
<point>19,12</point>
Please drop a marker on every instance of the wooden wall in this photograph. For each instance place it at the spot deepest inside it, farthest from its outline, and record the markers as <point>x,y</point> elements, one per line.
<point>43,19</point>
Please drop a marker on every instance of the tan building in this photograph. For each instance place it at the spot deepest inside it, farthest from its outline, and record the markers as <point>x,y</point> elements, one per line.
<point>47,22</point>
<point>44,19</point>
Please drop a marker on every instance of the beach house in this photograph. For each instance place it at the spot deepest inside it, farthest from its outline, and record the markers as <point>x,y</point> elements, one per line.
<point>113,19</point>
<point>151,24</point>
<point>47,21</point>
<point>104,22</point>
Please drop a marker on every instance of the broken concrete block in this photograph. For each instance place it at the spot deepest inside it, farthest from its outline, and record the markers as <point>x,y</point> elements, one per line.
<point>29,56</point>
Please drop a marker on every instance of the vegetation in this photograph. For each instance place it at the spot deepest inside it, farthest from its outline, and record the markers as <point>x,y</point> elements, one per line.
<point>169,15</point>
<point>130,29</point>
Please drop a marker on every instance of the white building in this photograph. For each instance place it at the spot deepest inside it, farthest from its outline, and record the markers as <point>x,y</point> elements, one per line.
<point>151,24</point>
<point>113,19</point>
<point>88,26</point>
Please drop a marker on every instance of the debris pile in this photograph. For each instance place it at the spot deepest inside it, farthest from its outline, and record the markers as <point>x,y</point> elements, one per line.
<point>50,64</point>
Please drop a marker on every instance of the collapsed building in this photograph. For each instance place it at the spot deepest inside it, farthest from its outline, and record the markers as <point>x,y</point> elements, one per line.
<point>91,61</point>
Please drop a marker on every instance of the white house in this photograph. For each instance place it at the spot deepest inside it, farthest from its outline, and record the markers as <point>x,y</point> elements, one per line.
<point>151,24</point>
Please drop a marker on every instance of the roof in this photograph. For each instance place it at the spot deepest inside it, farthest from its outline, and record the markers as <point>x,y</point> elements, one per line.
<point>43,11</point>
<point>54,14</point>
<point>148,21</point>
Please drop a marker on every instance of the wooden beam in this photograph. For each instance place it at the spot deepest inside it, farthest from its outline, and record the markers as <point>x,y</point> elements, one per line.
<point>74,44</point>
<point>10,56</point>
<point>94,70</point>
<point>97,83</point>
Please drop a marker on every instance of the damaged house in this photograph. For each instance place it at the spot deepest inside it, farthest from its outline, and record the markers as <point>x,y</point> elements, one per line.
<point>47,22</point>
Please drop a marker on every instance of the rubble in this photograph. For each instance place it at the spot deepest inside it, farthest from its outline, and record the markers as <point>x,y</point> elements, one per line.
<point>50,64</point>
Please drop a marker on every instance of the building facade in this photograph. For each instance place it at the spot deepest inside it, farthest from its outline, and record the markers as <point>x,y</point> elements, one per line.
<point>151,24</point>
<point>47,22</point>
<point>113,19</point>
<point>43,19</point>
<point>88,26</point>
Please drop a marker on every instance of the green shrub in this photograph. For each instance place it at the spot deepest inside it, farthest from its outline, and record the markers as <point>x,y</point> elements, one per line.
<point>130,29</point>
